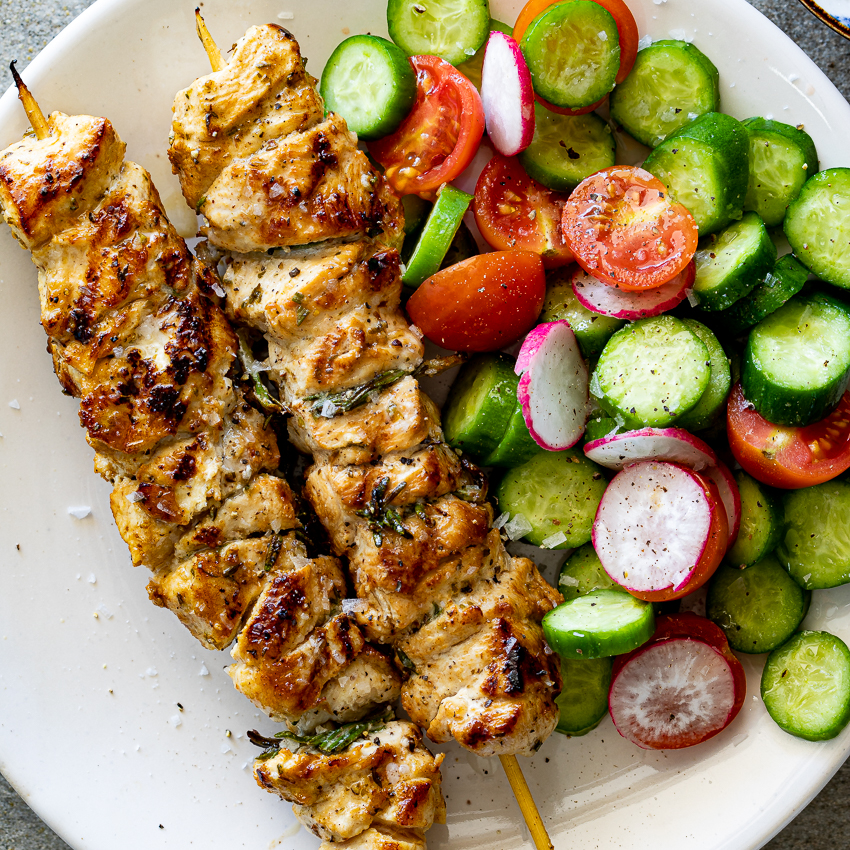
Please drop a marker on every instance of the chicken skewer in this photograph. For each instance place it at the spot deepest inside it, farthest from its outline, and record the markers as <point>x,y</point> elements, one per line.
<point>221,162</point>
<point>134,336</point>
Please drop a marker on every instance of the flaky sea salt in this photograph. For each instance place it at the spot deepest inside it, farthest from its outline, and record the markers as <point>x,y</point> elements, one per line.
<point>554,540</point>
<point>15,404</point>
<point>518,527</point>
<point>79,512</point>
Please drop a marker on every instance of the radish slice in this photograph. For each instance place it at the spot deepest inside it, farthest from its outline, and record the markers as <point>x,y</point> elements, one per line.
<point>553,387</point>
<point>671,444</point>
<point>673,693</point>
<point>607,300</point>
<point>652,526</point>
<point>507,95</point>
<point>728,489</point>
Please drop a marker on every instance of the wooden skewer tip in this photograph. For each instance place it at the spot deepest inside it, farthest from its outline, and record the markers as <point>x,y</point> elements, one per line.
<point>213,53</point>
<point>31,107</point>
<point>526,803</point>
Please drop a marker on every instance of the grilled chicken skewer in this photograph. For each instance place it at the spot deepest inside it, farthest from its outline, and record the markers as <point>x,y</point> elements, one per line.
<point>269,172</point>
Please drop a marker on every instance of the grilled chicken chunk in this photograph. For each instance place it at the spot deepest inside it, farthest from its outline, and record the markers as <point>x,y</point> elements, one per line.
<point>258,160</point>
<point>422,553</point>
<point>385,784</point>
<point>134,337</point>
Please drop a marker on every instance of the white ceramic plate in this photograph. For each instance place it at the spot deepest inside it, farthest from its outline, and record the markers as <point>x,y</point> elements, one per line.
<point>90,730</point>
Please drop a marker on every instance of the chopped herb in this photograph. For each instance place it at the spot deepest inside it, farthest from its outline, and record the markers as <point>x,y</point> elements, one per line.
<point>298,297</point>
<point>347,400</point>
<point>379,515</point>
<point>404,658</point>
<point>201,201</point>
<point>301,313</point>
<point>275,545</point>
<point>329,742</point>
<point>254,297</point>
<point>263,396</point>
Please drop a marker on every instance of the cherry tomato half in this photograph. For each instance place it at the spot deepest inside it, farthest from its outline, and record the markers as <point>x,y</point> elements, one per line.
<point>626,30</point>
<point>712,555</point>
<point>514,211</point>
<point>782,456</point>
<point>624,230</point>
<point>481,304</point>
<point>439,137</point>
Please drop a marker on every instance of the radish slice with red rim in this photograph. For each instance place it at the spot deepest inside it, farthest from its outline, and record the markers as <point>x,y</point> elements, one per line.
<point>662,444</point>
<point>728,489</point>
<point>553,387</point>
<point>675,693</point>
<point>607,300</point>
<point>507,95</point>
<point>660,530</point>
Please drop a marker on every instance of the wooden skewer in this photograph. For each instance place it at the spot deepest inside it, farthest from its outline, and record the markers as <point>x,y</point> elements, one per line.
<point>526,803</point>
<point>509,763</point>
<point>31,107</point>
<point>214,54</point>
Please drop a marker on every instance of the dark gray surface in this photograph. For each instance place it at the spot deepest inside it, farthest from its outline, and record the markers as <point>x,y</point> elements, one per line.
<point>25,28</point>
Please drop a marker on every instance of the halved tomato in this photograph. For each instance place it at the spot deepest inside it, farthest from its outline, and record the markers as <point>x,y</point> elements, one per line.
<point>712,555</point>
<point>514,211</point>
<point>439,137</point>
<point>786,457</point>
<point>481,304</point>
<point>626,30</point>
<point>624,230</point>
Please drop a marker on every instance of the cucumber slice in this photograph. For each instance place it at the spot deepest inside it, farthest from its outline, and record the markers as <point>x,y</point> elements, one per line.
<point>806,685</point>
<point>797,361</point>
<point>471,68</point>
<point>480,404</point>
<point>454,30</point>
<point>815,548</point>
<point>711,403</point>
<point>592,330</point>
<point>705,167</point>
<point>599,624</point>
<point>786,279</point>
<point>762,523</point>
<point>782,157</point>
<point>651,372</point>
<point>759,607</point>
<point>670,85</point>
<point>583,573</point>
<point>567,148</point>
<point>731,264</point>
<point>573,53</point>
<point>516,446</point>
<point>817,225</point>
<point>437,234</point>
<point>558,494</point>
<point>583,700</point>
<point>370,82</point>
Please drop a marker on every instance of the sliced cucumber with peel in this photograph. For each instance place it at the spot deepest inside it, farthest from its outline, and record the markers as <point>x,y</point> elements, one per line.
<point>583,573</point>
<point>583,700</point>
<point>711,403</point>
<point>731,263</point>
<point>567,148</point>
<point>782,158</point>
<point>762,522</point>
<point>806,685</point>
<point>817,225</point>
<point>671,84</point>
<point>705,166</point>
<point>599,624</point>
<point>758,607</point>
<point>454,30</point>
<point>783,281</point>
<point>651,372</point>
<point>370,82</point>
<point>797,360</point>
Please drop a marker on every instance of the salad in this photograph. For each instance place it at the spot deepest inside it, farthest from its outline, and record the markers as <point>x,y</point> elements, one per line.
<point>677,413</point>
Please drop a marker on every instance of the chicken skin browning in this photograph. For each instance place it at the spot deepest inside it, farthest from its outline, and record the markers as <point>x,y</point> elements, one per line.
<point>431,576</point>
<point>134,335</point>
